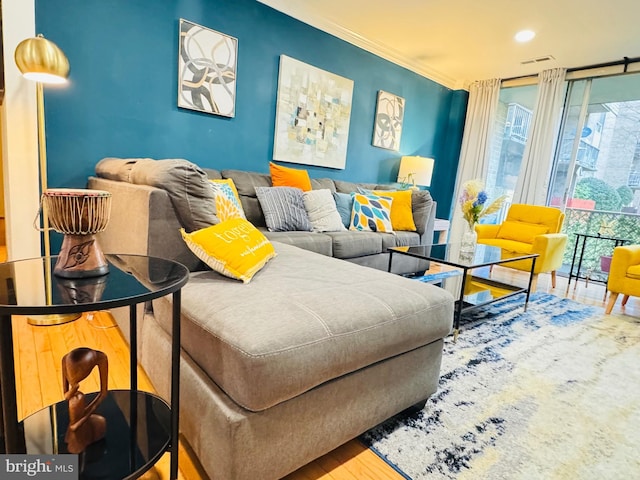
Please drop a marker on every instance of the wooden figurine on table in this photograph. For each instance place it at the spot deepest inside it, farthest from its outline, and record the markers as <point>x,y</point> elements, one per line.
<point>85,427</point>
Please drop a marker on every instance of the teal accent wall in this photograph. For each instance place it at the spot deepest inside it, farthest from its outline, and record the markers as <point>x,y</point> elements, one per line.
<point>121,100</point>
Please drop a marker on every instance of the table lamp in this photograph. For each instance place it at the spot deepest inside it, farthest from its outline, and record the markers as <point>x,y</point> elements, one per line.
<point>42,61</point>
<point>415,170</point>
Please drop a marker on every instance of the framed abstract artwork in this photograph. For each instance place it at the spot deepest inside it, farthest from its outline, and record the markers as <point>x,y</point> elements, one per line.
<point>313,110</point>
<point>207,70</point>
<point>387,128</point>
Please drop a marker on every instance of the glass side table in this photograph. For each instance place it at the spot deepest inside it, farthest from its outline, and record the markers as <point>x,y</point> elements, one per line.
<point>27,287</point>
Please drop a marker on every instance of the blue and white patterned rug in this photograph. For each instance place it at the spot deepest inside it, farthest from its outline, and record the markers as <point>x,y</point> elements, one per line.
<point>550,393</point>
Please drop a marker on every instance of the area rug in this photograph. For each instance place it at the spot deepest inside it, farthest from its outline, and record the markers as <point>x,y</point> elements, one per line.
<point>550,393</point>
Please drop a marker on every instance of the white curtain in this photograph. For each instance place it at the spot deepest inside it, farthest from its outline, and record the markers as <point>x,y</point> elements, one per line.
<point>533,179</point>
<point>476,142</point>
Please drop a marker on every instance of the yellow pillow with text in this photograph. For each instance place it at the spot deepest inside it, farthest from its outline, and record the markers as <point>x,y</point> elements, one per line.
<point>401,213</point>
<point>233,248</point>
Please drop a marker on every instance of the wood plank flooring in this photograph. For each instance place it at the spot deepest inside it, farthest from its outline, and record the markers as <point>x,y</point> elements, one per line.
<point>38,352</point>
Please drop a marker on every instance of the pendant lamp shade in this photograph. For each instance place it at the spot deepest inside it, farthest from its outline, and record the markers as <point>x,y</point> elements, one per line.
<point>41,60</point>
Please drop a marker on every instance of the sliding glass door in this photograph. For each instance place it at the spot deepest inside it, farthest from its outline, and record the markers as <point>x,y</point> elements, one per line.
<point>596,170</point>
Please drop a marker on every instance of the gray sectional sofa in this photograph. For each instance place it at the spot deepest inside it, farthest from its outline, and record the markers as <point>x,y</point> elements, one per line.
<point>311,353</point>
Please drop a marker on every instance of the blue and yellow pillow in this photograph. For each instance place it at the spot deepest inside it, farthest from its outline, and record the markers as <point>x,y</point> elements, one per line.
<point>227,200</point>
<point>371,213</point>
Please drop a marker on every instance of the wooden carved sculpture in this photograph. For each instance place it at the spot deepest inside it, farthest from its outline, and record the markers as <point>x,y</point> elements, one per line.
<point>85,427</point>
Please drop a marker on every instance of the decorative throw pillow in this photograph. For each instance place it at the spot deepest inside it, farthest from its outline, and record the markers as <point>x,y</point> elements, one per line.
<point>227,200</point>
<point>344,204</point>
<point>322,211</point>
<point>371,213</point>
<point>401,212</point>
<point>289,177</point>
<point>233,248</point>
<point>283,209</point>
<point>521,231</point>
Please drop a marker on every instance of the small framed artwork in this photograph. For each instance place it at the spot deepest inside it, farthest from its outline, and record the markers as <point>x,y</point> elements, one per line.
<point>387,128</point>
<point>207,68</point>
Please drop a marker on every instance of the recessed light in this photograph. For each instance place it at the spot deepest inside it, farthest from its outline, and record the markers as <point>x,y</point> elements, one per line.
<point>524,36</point>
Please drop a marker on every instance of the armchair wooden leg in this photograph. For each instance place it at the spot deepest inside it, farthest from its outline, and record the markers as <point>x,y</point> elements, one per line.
<point>534,283</point>
<point>553,279</point>
<point>625,299</point>
<point>612,300</point>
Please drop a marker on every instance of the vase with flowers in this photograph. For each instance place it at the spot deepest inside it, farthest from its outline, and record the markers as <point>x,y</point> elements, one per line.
<point>473,202</point>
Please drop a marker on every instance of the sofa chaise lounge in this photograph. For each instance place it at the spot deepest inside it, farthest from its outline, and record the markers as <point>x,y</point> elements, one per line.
<point>279,371</point>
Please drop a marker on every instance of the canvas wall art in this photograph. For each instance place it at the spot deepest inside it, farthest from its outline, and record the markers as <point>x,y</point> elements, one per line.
<point>207,70</point>
<point>388,121</point>
<point>313,110</point>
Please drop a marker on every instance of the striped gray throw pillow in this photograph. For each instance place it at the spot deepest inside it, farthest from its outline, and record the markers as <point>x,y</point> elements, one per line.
<point>283,209</point>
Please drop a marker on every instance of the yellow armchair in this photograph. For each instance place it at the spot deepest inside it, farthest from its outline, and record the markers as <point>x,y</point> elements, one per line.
<point>624,275</point>
<point>529,229</point>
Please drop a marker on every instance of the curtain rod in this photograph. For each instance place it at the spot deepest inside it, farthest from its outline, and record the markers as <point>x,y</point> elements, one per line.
<point>626,61</point>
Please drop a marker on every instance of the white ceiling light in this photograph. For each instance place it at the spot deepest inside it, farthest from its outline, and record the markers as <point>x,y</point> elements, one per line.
<point>524,36</point>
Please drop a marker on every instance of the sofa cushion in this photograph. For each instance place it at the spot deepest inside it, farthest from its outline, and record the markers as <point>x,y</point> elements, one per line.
<point>351,244</point>
<point>283,209</point>
<point>322,211</point>
<point>350,187</point>
<point>234,248</point>
<point>318,183</point>
<point>246,183</point>
<point>289,177</point>
<point>187,185</point>
<point>311,241</point>
<point>371,213</point>
<point>521,231</point>
<point>399,239</point>
<point>508,245</point>
<point>421,205</point>
<point>311,319</point>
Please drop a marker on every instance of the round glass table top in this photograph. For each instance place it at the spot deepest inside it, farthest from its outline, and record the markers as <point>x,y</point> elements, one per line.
<point>137,434</point>
<point>29,287</point>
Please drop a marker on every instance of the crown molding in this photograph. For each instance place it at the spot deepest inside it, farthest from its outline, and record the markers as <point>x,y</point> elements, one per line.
<point>297,10</point>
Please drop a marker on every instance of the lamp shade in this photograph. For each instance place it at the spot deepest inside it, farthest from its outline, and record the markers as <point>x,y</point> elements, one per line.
<point>416,170</point>
<point>41,60</point>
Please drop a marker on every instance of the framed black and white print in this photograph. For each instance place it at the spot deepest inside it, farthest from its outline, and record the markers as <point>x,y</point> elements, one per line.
<point>207,70</point>
<point>387,128</point>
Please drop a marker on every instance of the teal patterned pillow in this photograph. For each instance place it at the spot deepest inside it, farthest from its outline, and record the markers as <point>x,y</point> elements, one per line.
<point>371,213</point>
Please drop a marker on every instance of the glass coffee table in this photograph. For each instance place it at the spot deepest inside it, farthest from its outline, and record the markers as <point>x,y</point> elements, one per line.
<point>467,276</point>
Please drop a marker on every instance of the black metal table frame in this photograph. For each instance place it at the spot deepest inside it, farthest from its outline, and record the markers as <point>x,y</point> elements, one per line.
<point>460,307</point>
<point>14,441</point>
<point>584,236</point>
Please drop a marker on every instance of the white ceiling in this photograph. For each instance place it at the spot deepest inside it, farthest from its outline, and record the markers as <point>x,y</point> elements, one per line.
<point>455,42</point>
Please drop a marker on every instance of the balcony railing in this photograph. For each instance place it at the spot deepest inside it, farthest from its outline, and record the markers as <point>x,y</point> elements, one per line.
<point>518,123</point>
<point>609,224</point>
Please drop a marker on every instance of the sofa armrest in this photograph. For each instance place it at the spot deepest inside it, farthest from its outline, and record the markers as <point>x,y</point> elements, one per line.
<point>550,247</point>
<point>427,229</point>
<point>623,258</point>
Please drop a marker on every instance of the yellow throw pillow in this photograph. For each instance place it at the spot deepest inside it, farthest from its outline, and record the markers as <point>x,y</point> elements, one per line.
<point>401,213</point>
<point>233,248</point>
<point>289,177</point>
